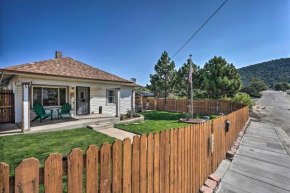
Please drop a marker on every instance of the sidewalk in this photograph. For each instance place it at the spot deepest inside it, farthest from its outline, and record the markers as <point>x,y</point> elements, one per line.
<point>261,164</point>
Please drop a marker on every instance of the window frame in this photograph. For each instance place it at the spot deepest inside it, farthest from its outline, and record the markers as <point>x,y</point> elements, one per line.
<point>114,97</point>
<point>58,97</point>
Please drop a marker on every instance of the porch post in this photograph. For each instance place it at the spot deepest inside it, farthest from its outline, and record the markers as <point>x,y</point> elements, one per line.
<point>25,108</point>
<point>118,102</point>
<point>133,101</point>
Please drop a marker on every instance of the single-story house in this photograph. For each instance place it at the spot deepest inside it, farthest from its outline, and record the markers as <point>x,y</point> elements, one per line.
<point>54,82</point>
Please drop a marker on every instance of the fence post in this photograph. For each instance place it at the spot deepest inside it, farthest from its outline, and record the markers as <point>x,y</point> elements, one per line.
<point>217,107</point>
<point>175,105</point>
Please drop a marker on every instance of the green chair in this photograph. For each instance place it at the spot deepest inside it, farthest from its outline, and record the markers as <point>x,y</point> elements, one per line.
<point>65,110</point>
<point>40,113</point>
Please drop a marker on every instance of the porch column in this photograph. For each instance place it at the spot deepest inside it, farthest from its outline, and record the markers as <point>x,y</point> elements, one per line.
<point>133,101</point>
<point>25,108</point>
<point>118,102</point>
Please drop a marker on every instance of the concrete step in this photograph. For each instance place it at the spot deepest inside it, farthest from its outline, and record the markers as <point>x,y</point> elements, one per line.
<point>101,126</point>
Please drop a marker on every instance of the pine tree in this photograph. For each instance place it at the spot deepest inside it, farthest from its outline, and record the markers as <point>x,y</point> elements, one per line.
<point>162,82</point>
<point>220,79</point>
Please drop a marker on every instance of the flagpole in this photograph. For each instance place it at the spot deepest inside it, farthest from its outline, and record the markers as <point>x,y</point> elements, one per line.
<point>191,97</point>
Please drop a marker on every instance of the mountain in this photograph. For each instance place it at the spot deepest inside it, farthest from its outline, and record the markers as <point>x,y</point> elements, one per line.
<point>270,72</point>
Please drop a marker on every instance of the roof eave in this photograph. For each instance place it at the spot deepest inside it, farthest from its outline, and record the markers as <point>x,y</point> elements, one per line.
<point>23,72</point>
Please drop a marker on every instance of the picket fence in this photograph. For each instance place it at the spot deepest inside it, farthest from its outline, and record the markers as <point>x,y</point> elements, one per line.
<point>170,161</point>
<point>183,105</point>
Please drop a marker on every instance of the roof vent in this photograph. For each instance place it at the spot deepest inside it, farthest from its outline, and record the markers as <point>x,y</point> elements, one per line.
<point>133,80</point>
<point>58,54</point>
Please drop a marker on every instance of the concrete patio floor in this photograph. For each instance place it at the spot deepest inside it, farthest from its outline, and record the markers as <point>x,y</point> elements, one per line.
<point>57,124</point>
<point>261,165</point>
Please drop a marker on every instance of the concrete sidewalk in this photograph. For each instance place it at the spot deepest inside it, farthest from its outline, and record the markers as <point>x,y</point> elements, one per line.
<point>118,133</point>
<point>261,165</point>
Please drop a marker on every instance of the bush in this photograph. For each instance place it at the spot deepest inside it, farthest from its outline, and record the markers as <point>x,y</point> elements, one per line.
<point>243,98</point>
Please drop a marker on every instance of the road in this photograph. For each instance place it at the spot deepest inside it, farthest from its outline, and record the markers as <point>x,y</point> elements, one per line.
<point>274,106</point>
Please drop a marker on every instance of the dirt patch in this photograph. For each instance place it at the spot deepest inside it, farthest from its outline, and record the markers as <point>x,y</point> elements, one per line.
<point>192,121</point>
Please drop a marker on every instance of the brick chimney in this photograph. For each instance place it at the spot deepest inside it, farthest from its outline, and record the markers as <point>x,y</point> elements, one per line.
<point>58,54</point>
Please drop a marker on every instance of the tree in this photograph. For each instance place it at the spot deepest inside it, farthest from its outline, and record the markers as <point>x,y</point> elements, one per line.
<point>258,84</point>
<point>282,86</point>
<point>220,79</point>
<point>182,85</point>
<point>243,98</point>
<point>162,82</point>
<point>278,86</point>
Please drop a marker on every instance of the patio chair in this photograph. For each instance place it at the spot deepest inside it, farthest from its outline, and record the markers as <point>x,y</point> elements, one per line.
<point>40,113</point>
<point>65,110</point>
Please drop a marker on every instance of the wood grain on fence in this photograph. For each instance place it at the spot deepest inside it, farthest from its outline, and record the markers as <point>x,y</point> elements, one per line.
<point>175,160</point>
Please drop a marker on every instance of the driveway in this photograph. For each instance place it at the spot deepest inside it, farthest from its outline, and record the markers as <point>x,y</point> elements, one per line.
<point>274,106</point>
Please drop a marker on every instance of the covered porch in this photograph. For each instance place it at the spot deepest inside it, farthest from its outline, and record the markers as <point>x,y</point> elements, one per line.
<point>58,124</point>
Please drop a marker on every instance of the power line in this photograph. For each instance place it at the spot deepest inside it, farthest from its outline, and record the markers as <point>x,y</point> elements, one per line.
<point>200,28</point>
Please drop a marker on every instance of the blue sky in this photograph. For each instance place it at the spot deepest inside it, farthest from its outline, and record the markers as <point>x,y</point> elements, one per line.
<point>127,38</point>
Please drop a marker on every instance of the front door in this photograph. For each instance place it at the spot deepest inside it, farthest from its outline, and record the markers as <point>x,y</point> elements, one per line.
<point>83,100</point>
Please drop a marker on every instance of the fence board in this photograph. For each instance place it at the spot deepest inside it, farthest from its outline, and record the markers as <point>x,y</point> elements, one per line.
<point>162,159</point>
<point>156,163</point>
<point>143,163</point>
<point>53,173</point>
<point>166,161</point>
<point>150,163</point>
<point>179,160</point>
<point>117,165</point>
<point>92,169</point>
<point>75,171</point>
<point>127,165</point>
<point>4,177</point>
<point>105,161</point>
<point>27,176</point>
<point>172,156</point>
<point>135,164</point>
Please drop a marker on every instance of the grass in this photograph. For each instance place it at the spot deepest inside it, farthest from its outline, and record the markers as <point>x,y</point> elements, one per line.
<point>40,145</point>
<point>156,121</point>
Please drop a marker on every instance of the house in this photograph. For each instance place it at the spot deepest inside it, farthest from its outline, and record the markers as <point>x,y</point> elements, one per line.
<point>54,82</point>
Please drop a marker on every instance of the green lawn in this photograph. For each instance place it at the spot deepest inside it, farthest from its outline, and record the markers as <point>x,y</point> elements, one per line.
<point>156,121</point>
<point>40,145</point>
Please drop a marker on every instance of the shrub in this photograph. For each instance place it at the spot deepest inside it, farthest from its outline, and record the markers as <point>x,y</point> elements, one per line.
<point>243,98</point>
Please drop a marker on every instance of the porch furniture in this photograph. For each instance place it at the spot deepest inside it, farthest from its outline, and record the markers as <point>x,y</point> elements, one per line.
<point>40,113</point>
<point>65,110</point>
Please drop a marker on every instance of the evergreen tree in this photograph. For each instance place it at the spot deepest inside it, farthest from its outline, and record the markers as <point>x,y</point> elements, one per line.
<point>220,78</point>
<point>258,84</point>
<point>182,85</point>
<point>162,82</point>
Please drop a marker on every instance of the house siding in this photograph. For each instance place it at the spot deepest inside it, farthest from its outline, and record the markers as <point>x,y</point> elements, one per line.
<point>98,98</point>
<point>125,99</point>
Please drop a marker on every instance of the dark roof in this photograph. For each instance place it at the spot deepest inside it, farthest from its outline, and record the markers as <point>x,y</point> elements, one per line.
<point>145,93</point>
<point>68,67</point>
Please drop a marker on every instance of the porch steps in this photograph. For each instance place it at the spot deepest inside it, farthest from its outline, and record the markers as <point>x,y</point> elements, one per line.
<point>101,126</point>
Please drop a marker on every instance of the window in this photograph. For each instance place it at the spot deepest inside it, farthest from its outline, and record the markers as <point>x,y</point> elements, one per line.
<point>49,96</point>
<point>111,96</point>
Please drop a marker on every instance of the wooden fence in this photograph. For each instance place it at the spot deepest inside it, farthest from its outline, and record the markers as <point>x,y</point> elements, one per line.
<point>183,105</point>
<point>170,161</point>
<point>6,106</point>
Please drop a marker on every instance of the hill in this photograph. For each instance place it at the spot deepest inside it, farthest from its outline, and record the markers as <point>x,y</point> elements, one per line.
<point>270,72</point>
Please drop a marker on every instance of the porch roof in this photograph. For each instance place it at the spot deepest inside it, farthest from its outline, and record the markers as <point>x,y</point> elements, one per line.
<point>68,67</point>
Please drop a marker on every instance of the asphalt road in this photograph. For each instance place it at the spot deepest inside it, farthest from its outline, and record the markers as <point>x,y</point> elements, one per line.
<point>274,107</point>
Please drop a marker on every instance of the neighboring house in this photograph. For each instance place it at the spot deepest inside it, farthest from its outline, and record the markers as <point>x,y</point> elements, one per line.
<point>54,82</point>
<point>142,99</point>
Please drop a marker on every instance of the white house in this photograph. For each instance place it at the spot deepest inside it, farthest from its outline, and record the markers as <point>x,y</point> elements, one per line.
<point>54,82</point>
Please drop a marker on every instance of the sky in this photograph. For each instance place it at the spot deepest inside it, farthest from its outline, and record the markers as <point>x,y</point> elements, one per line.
<point>127,38</point>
